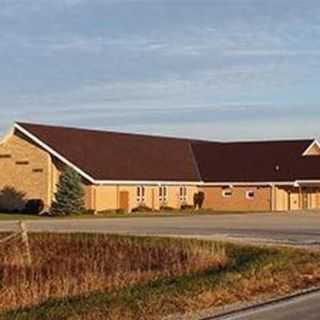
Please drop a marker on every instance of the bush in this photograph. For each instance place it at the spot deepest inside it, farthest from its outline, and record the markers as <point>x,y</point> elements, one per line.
<point>89,212</point>
<point>34,206</point>
<point>142,208</point>
<point>198,199</point>
<point>166,208</point>
<point>186,207</point>
<point>11,200</point>
<point>112,212</point>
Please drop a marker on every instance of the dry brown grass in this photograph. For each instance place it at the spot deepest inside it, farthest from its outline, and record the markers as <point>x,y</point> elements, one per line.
<point>120,277</point>
<point>72,265</point>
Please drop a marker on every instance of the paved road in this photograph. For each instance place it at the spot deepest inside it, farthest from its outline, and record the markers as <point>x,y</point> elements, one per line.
<point>304,308</point>
<point>293,228</point>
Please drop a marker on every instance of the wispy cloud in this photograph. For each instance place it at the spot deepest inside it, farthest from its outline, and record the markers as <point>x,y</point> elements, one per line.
<point>271,52</point>
<point>126,63</point>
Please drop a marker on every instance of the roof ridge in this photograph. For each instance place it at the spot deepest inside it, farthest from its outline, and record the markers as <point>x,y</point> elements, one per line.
<point>190,140</point>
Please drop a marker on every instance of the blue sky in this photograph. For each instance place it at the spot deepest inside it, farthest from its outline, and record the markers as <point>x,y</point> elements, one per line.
<point>217,69</point>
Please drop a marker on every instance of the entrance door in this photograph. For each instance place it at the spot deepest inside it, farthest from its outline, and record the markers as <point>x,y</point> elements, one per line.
<point>124,200</point>
<point>313,198</point>
<point>294,200</point>
<point>305,200</point>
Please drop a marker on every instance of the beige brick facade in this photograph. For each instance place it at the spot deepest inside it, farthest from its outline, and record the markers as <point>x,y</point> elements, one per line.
<point>108,197</point>
<point>296,198</point>
<point>30,169</point>
<point>237,198</point>
<point>26,167</point>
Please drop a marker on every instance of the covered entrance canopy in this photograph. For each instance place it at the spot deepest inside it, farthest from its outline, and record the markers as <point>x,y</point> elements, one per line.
<point>307,195</point>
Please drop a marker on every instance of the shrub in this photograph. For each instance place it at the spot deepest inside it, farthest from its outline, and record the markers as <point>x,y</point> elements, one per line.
<point>198,199</point>
<point>142,208</point>
<point>69,199</point>
<point>34,206</point>
<point>186,207</point>
<point>112,211</point>
<point>11,200</point>
<point>166,208</point>
<point>89,212</point>
<point>195,200</point>
<point>121,211</point>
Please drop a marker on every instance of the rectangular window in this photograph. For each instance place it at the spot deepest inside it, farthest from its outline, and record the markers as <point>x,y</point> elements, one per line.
<point>227,193</point>
<point>183,193</point>
<point>5,156</point>
<point>250,195</point>
<point>163,194</point>
<point>37,170</point>
<point>22,163</point>
<point>140,194</point>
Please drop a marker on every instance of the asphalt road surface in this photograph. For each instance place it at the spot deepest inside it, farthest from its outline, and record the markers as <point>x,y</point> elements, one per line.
<point>303,308</point>
<point>301,228</point>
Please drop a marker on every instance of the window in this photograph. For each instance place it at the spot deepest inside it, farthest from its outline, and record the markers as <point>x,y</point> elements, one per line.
<point>183,193</point>
<point>163,194</point>
<point>227,193</point>
<point>22,163</point>
<point>37,170</point>
<point>140,194</point>
<point>250,195</point>
<point>5,156</point>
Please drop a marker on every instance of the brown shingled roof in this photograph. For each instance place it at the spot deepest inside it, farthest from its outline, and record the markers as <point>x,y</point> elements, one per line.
<point>132,157</point>
<point>118,156</point>
<point>264,161</point>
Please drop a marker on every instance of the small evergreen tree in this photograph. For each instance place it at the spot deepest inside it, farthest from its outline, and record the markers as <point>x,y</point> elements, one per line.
<point>69,197</point>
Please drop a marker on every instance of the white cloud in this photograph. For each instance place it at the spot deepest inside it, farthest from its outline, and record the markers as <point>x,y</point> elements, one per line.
<point>271,52</point>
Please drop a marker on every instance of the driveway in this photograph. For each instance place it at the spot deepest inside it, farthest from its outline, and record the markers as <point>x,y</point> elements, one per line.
<point>301,228</point>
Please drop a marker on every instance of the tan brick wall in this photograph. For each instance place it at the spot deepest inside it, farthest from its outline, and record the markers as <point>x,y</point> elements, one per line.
<point>214,199</point>
<point>23,177</point>
<point>281,199</point>
<point>295,198</point>
<point>108,197</point>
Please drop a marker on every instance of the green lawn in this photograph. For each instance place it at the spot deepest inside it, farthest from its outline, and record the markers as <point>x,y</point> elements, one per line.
<point>18,216</point>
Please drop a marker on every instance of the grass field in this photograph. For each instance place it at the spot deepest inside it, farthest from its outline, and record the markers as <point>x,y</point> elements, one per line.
<point>83,276</point>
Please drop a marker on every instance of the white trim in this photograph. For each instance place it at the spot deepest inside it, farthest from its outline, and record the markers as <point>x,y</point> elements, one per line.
<point>163,190</point>
<point>267,184</point>
<point>298,183</point>
<point>148,182</point>
<point>315,142</point>
<point>141,198</point>
<point>183,196</point>
<point>56,154</point>
<point>88,177</point>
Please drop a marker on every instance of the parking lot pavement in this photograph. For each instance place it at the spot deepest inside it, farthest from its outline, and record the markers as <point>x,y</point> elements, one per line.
<point>301,228</point>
